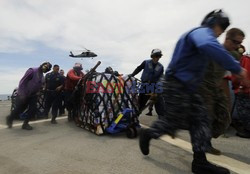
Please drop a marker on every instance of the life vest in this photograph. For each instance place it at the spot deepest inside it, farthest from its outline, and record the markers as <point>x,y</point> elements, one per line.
<point>151,74</point>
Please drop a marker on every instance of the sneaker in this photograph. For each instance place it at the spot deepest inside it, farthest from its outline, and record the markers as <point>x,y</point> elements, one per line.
<point>9,122</point>
<point>213,151</point>
<point>26,126</point>
<point>53,122</point>
<point>205,167</point>
<point>144,140</point>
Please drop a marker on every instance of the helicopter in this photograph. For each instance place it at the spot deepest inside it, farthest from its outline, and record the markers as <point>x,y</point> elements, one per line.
<point>84,54</point>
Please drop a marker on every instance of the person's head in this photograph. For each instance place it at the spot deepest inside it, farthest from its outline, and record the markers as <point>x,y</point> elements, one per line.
<point>156,55</point>
<point>234,38</point>
<point>109,70</point>
<point>77,67</point>
<point>56,68</point>
<point>216,20</point>
<point>45,67</point>
<point>61,72</point>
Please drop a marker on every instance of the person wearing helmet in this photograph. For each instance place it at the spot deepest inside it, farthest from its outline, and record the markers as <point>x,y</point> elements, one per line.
<point>72,78</point>
<point>182,105</point>
<point>240,116</point>
<point>152,71</point>
<point>28,88</point>
<point>109,70</point>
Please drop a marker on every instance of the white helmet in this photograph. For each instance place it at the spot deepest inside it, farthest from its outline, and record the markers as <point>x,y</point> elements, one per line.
<point>156,52</point>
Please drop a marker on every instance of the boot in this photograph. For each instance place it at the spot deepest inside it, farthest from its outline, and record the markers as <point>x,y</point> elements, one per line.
<point>53,120</point>
<point>243,134</point>
<point>9,121</point>
<point>200,165</point>
<point>212,150</point>
<point>144,140</point>
<point>26,126</point>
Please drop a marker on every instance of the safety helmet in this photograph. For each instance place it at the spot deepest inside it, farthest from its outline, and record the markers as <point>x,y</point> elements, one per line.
<point>77,66</point>
<point>156,53</point>
<point>216,17</point>
<point>48,67</point>
<point>109,70</point>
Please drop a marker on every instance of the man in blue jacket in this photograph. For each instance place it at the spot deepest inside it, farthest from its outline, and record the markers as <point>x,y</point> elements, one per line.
<point>152,71</point>
<point>181,103</point>
<point>28,88</point>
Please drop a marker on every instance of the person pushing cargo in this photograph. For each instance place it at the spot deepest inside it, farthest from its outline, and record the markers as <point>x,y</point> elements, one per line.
<point>181,104</point>
<point>29,86</point>
<point>152,71</point>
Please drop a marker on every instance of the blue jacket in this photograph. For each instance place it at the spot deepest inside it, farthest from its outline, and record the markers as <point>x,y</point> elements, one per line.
<point>192,53</point>
<point>152,72</point>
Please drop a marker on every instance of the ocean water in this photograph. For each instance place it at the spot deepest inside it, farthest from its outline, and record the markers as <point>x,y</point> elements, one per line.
<point>4,96</point>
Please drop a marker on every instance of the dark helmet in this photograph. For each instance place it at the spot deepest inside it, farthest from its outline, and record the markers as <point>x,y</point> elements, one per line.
<point>216,17</point>
<point>77,67</point>
<point>48,67</point>
<point>109,70</point>
<point>156,53</point>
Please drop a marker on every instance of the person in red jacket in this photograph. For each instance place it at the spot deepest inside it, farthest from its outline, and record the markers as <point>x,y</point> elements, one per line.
<point>242,101</point>
<point>72,78</point>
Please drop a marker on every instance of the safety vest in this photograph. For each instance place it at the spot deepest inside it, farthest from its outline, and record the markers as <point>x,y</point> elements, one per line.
<point>151,74</point>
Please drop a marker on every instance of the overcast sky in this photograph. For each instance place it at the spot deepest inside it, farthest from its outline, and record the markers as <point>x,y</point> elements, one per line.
<point>121,32</point>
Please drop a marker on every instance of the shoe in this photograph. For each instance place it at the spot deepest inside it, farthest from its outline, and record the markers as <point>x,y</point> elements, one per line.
<point>53,121</point>
<point>213,151</point>
<point>9,122</point>
<point>205,167</point>
<point>243,134</point>
<point>26,126</point>
<point>149,114</point>
<point>144,140</point>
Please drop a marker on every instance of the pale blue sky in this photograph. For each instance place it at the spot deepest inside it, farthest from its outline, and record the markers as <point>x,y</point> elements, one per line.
<point>121,32</point>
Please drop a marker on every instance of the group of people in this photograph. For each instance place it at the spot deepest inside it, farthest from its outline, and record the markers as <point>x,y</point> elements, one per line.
<point>195,91</point>
<point>194,97</point>
<point>57,89</point>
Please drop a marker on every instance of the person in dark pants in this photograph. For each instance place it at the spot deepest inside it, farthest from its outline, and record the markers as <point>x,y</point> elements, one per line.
<point>152,71</point>
<point>29,86</point>
<point>72,78</point>
<point>212,91</point>
<point>241,122</point>
<point>53,87</point>
<point>62,102</point>
<point>181,104</point>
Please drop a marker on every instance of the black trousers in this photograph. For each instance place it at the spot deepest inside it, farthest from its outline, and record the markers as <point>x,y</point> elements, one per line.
<point>71,102</point>
<point>181,109</point>
<point>62,104</point>
<point>243,109</point>
<point>52,99</point>
<point>143,99</point>
<point>23,103</point>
